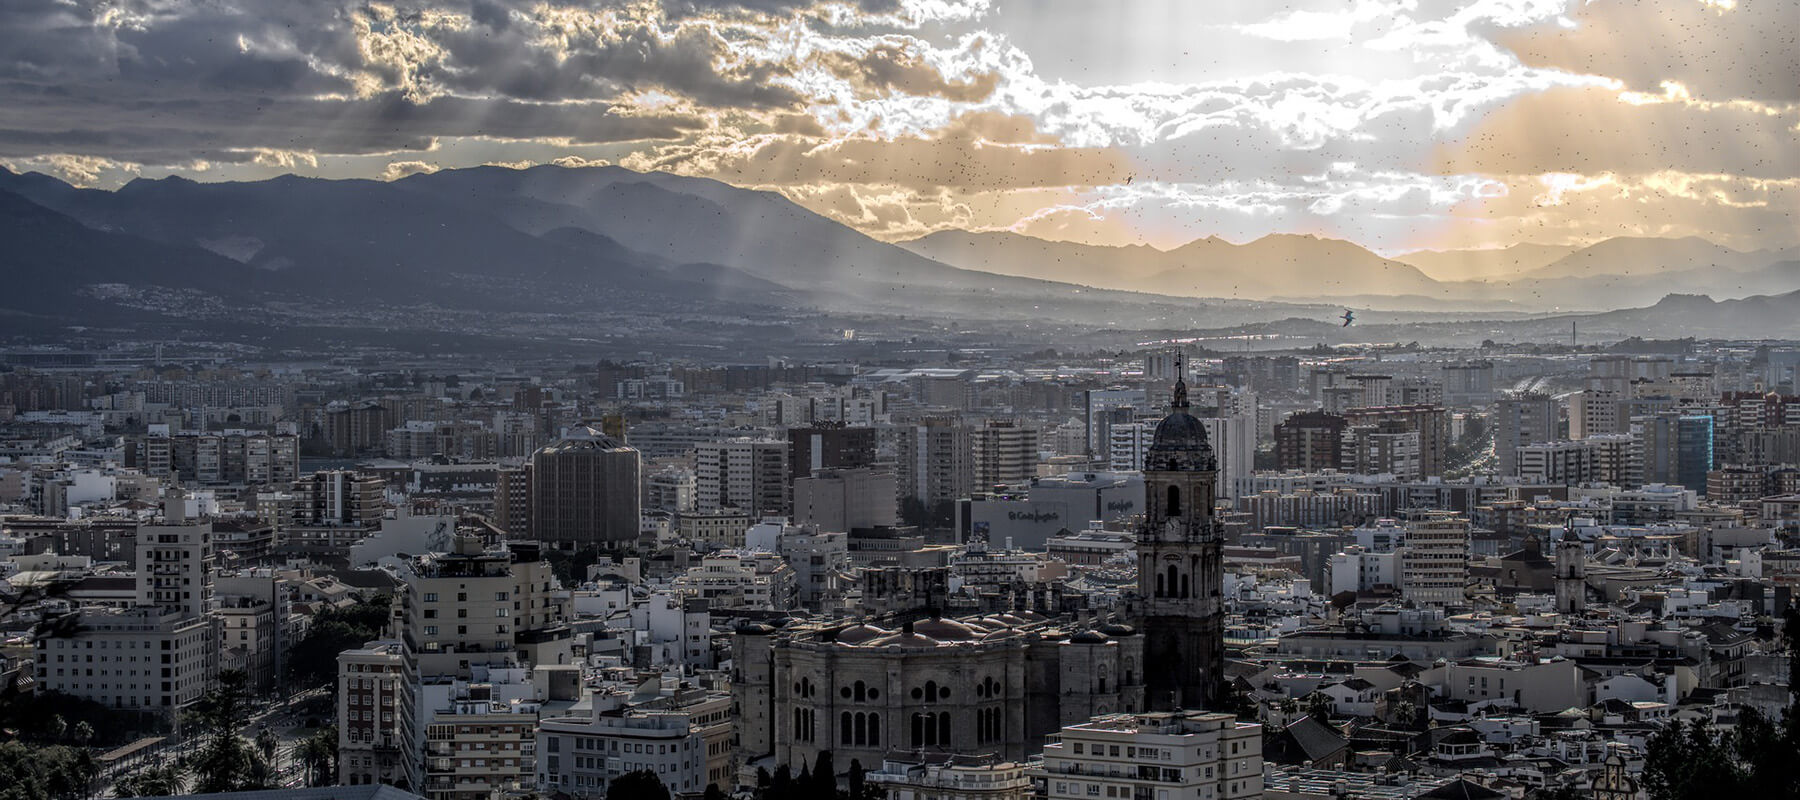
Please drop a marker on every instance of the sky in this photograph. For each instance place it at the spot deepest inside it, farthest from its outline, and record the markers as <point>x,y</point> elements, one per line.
<point>1396,124</point>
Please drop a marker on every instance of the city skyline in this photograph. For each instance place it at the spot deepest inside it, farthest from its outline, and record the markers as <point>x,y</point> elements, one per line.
<point>1397,126</point>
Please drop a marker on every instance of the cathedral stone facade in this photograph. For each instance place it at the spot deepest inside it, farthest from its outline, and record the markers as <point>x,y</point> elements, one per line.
<point>998,684</point>
<point>993,685</point>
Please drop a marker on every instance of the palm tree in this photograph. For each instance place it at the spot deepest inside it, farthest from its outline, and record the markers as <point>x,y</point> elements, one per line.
<point>161,780</point>
<point>84,733</point>
<point>318,754</point>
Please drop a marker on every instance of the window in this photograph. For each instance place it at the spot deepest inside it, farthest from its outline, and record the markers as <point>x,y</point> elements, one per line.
<point>431,597</point>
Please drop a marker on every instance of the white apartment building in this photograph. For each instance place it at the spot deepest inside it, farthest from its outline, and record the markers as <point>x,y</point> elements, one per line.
<point>1358,569</point>
<point>174,564</point>
<point>142,659</point>
<point>679,628</point>
<point>1186,755</point>
<point>740,580</point>
<point>1435,563</point>
<point>685,738</point>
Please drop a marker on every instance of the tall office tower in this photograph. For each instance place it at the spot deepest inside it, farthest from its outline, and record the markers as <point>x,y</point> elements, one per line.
<point>1694,451</point>
<point>1430,422</point>
<point>175,563</point>
<point>1519,420</point>
<point>1005,453</point>
<point>1596,412</point>
<point>1468,384</point>
<point>1180,566</point>
<point>1678,449</point>
<point>1571,577</point>
<point>337,497</point>
<point>750,475</point>
<point>585,492</point>
<point>1434,569</point>
<point>935,464</point>
<point>829,447</point>
<point>1310,441</point>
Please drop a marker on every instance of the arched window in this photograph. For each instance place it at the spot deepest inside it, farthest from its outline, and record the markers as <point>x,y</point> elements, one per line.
<point>1174,582</point>
<point>918,730</point>
<point>1173,509</point>
<point>862,692</point>
<point>874,729</point>
<point>844,723</point>
<point>943,737</point>
<point>1161,588</point>
<point>1184,587</point>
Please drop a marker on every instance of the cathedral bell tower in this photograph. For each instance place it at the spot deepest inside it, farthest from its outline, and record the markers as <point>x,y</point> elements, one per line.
<point>1180,566</point>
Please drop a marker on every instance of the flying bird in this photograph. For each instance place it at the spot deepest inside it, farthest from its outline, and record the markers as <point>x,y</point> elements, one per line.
<point>1349,317</point>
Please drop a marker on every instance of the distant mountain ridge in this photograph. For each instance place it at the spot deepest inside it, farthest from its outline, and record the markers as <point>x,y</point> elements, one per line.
<point>1615,273</point>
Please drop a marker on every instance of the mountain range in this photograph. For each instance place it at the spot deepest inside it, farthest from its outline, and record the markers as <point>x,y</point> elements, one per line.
<point>620,253</point>
<point>1615,273</point>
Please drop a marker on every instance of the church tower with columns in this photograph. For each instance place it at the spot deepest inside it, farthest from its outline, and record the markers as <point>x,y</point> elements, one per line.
<point>1180,566</point>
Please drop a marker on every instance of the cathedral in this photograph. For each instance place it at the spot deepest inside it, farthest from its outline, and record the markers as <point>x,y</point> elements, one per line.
<point>998,684</point>
<point>1180,567</point>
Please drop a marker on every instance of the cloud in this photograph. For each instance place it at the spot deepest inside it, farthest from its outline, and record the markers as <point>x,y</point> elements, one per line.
<point>977,151</point>
<point>1596,129</point>
<point>1719,51</point>
<point>401,169</point>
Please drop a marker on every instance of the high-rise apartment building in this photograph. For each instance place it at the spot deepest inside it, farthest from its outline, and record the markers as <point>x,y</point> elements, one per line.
<point>376,716</point>
<point>1434,568</point>
<point>1596,412</point>
<point>1519,420</point>
<point>935,463</point>
<point>829,447</point>
<point>750,475</point>
<point>1430,422</point>
<point>1310,441</point>
<point>585,491</point>
<point>1005,454</point>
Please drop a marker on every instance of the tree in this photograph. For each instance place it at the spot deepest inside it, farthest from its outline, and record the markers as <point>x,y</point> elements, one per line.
<point>225,762</point>
<point>713,792</point>
<point>318,756</point>
<point>1318,706</point>
<point>314,659</point>
<point>44,773</point>
<point>638,785</point>
<point>1692,760</point>
<point>824,778</point>
<point>161,780</point>
<point>83,733</point>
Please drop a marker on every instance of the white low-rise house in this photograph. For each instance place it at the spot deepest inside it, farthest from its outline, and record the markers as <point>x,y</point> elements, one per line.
<point>1352,698</point>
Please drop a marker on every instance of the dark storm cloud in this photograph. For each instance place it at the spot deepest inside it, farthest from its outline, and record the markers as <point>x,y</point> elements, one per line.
<point>145,81</point>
